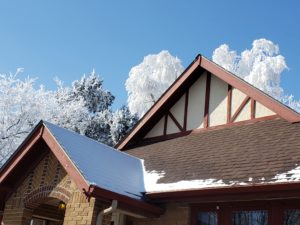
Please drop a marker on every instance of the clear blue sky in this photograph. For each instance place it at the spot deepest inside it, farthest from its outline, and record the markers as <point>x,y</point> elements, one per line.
<point>69,38</point>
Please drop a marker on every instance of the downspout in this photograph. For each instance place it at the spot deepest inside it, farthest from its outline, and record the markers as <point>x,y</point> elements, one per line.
<point>114,208</point>
<point>108,210</point>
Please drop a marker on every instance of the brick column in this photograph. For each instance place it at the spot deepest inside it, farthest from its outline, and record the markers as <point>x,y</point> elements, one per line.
<point>80,210</point>
<point>18,216</point>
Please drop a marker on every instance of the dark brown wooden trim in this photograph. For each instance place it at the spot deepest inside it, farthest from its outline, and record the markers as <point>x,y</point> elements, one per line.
<point>139,206</point>
<point>229,97</point>
<point>166,124</point>
<point>239,123</point>
<point>202,62</point>
<point>224,210</point>
<point>186,105</point>
<point>64,160</point>
<point>207,95</point>
<point>5,188</point>
<point>279,108</point>
<point>238,193</point>
<point>198,130</point>
<point>20,153</point>
<point>176,122</point>
<point>277,214</point>
<point>164,137</point>
<point>239,109</point>
<point>160,102</point>
<point>253,104</point>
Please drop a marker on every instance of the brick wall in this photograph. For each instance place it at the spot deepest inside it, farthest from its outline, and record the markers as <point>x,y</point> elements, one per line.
<point>47,181</point>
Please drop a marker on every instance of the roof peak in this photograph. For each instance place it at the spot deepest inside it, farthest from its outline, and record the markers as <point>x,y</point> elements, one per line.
<point>201,63</point>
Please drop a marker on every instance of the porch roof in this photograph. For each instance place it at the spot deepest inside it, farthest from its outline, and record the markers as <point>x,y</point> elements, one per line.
<point>100,164</point>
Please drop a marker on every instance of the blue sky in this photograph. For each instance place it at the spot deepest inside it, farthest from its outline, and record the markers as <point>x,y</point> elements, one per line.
<point>69,38</point>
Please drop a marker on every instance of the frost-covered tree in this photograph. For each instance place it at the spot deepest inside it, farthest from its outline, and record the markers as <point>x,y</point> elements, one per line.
<point>16,114</point>
<point>85,107</point>
<point>98,102</point>
<point>90,88</point>
<point>22,106</point>
<point>69,111</point>
<point>148,80</point>
<point>122,123</point>
<point>261,66</point>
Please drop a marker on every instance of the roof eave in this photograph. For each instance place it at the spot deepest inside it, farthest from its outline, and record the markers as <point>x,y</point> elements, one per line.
<point>136,205</point>
<point>65,160</point>
<point>25,146</point>
<point>241,192</point>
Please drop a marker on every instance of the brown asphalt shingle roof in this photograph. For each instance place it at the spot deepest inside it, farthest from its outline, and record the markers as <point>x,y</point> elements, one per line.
<point>237,153</point>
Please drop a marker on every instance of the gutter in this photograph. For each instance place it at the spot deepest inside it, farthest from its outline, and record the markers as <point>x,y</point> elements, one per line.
<point>230,193</point>
<point>123,204</point>
<point>112,209</point>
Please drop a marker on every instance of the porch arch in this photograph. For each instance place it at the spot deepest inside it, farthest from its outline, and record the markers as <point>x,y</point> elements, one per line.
<point>40,195</point>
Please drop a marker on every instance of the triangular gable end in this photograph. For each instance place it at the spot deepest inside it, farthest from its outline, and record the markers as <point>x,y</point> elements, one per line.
<point>30,153</point>
<point>204,96</point>
<point>27,154</point>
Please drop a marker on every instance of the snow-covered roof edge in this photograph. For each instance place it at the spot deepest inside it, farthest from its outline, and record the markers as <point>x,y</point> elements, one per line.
<point>99,164</point>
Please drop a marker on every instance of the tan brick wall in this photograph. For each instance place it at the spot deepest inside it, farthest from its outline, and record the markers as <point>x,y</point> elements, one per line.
<point>49,180</point>
<point>79,210</point>
<point>175,214</point>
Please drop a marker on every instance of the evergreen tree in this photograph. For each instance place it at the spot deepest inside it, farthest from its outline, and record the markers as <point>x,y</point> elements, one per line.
<point>122,123</point>
<point>98,103</point>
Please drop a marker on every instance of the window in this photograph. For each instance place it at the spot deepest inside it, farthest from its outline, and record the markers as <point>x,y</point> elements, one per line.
<point>257,217</point>
<point>207,218</point>
<point>247,213</point>
<point>291,217</point>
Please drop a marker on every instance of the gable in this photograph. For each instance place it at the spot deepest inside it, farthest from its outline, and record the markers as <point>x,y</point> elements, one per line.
<point>204,96</point>
<point>208,102</point>
<point>95,169</point>
<point>93,160</point>
<point>48,175</point>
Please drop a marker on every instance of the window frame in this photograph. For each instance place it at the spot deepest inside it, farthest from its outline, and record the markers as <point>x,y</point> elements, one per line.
<point>275,209</point>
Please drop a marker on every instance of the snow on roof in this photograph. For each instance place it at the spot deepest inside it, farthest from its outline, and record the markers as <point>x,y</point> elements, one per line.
<point>291,175</point>
<point>100,164</point>
<point>125,174</point>
<point>152,185</point>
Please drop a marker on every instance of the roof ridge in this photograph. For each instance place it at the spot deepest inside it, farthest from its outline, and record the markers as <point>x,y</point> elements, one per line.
<point>202,62</point>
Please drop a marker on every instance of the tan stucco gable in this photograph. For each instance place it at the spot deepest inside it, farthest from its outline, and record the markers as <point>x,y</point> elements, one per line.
<point>209,96</point>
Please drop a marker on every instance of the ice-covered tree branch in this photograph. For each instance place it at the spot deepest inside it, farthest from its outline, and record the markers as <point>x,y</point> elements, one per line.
<point>261,66</point>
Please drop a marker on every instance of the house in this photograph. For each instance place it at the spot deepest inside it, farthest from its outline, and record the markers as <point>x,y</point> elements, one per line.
<point>213,150</point>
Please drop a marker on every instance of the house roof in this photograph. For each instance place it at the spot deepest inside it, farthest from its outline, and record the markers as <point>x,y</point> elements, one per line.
<point>100,164</point>
<point>184,80</point>
<point>97,169</point>
<point>264,152</point>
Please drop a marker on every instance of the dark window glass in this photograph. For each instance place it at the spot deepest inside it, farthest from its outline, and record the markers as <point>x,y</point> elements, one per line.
<point>292,217</point>
<point>257,217</point>
<point>207,218</point>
